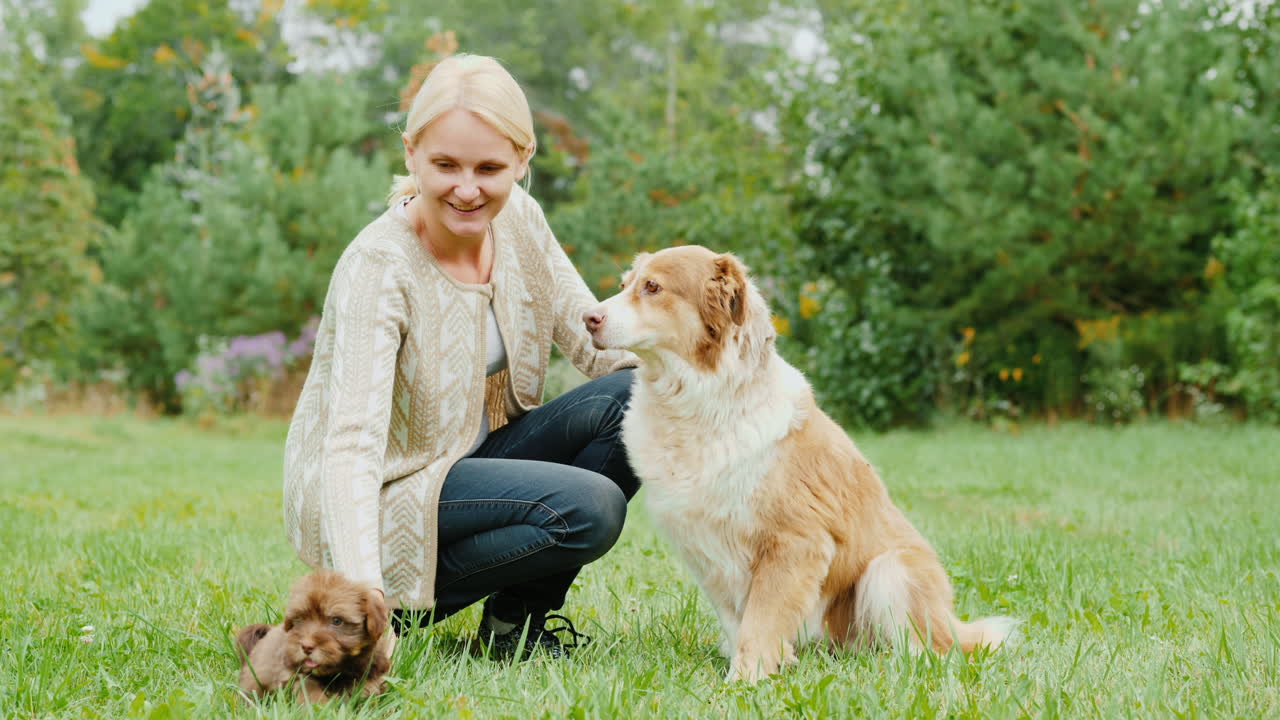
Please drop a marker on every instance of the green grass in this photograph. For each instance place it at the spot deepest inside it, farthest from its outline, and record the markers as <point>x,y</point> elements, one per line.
<point>1143,560</point>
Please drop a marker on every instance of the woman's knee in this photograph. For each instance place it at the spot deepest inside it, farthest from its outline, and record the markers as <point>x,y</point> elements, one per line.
<point>599,511</point>
<point>617,385</point>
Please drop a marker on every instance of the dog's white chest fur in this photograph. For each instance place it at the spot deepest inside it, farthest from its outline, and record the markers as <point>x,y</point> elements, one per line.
<point>702,462</point>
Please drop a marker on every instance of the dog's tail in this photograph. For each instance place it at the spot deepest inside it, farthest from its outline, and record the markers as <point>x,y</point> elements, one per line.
<point>248,637</point>
<point>904,594</point>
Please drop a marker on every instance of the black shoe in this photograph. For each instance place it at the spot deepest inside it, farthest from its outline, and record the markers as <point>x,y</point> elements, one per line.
<point>538,638</point>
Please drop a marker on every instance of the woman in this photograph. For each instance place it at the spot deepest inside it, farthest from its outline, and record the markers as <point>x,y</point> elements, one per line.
<point>418,459</point>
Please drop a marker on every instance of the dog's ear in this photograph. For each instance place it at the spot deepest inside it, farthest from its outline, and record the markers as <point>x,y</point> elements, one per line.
<point>248,637</point>
<point>375,614</point>
<point>726,290</point>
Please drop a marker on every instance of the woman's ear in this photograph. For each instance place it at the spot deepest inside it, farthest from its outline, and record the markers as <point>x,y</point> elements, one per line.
<point>522,168</point>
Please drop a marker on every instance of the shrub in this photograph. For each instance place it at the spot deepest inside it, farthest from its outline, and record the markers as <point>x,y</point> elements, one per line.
<point>231,376</point>
<point>238,234</point>
<point>1245,274</point>
<point>1018,170</point>
<point>46,221</point>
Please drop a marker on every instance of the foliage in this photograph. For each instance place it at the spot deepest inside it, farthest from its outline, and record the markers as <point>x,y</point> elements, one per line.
<point>672,68</point>
<point>46,219</point>
<point>237,235</point>
<point>1020,170</point>
<point>634,197</point>
<point>1245,272</point>
<point>230,376</point>
<point>998,210</point>
<point>132,105</point>
<point>50,29</point>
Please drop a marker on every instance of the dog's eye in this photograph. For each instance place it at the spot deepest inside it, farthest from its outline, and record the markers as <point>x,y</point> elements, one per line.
<point>335,621</point>
<point>651,287</point>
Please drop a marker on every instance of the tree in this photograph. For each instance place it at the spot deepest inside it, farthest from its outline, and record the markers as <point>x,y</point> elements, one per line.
<point>1023,170</point>
<point>133,106</point>
<point>238,233</point>
<point>46,218</point>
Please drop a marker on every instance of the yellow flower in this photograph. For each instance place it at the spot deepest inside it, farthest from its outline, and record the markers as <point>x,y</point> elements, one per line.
<point>98,60</point>
<point>962,359</point>
<point>781,325</point>
<point>1017,374</point>
<point>1036,358</point>
<point>968,335</point>
<point>1004,373</point>
<point>164,54</point>
<point>1213,268</point>
<point>809,307</point>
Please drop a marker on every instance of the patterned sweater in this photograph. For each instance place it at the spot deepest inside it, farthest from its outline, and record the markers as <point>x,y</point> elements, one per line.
<point>397,385</point>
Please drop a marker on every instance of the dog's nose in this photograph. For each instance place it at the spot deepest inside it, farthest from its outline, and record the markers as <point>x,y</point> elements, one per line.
<point>594,319</point>
<point>307,648</point>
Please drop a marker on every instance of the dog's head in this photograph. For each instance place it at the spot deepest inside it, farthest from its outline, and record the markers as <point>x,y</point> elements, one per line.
<point>330,621</point>
<point>687,301</point>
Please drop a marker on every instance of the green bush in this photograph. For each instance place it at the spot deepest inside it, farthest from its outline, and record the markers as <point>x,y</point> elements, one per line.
<point>1018,170</point>
<point>236,236</point>
<point>1245,271</point>
<point>46,221</point>
<point>636,194</point>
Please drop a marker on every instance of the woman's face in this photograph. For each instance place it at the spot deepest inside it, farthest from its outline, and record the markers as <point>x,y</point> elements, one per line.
<point>465,170</point>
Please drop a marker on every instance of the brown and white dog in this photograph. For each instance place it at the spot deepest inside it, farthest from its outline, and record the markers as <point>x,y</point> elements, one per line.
<point>333,641</point>
<point>785,525</point>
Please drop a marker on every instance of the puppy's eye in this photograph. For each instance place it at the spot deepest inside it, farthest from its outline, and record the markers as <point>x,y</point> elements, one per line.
<point>336,621</point>
<point>651,287</point>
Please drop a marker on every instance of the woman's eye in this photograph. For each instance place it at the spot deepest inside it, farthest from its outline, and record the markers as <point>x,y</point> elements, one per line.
<point>335,621</point>
<point>443,165</point>
<point>651,287</point>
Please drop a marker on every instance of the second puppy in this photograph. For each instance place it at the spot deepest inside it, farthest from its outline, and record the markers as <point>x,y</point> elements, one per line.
<point>333,641</point>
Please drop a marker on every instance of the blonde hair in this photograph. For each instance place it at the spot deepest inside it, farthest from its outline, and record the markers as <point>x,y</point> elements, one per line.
<point>475,83</point>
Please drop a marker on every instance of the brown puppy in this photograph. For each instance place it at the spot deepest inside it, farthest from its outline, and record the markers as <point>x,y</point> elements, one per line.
<point>785,525</point>
<point>333,641</point>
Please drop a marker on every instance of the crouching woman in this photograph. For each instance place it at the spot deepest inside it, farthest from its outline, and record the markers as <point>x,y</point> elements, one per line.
<point>419,458</point>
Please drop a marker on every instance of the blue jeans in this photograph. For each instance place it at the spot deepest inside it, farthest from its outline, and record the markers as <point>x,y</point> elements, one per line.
<point>544,495</point>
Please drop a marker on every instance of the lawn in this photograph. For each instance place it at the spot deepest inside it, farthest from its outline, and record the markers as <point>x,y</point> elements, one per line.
<point>1143,561</point>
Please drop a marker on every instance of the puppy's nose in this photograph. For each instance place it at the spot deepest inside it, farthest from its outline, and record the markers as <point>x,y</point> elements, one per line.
<point>307,648</point>
<point>594,319</point>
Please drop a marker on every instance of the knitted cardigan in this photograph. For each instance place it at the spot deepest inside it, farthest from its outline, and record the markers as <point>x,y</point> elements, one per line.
<point>397,385</point>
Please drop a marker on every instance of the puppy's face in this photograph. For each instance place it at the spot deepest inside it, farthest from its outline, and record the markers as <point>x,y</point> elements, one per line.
<point>330,619</point>
<point>683,300</point>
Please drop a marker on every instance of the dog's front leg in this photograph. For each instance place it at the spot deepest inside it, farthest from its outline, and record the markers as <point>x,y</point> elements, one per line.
<point>786,583</point>
<point>729,621</point>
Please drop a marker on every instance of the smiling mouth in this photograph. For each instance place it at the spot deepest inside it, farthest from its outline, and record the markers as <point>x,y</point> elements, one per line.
<point>465,209</point>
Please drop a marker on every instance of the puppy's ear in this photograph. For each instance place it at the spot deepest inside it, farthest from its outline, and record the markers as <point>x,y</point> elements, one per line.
<point>726,290</point>
<point>375,614</point>
<point>248,637</point>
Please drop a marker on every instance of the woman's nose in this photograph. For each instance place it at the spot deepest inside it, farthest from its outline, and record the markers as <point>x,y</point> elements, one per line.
<point>467,190</point>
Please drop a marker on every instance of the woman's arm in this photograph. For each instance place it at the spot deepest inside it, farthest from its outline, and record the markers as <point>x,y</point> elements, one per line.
<point>573,297</point>
<point>366,299</point>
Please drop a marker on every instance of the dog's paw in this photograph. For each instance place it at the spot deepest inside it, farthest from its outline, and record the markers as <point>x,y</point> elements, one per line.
<point>750,670</point>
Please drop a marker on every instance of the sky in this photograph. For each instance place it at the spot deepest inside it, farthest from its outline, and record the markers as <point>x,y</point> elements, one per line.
<point>101,15</point>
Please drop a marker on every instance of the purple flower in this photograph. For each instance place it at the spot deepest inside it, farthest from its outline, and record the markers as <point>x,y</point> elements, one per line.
<point>182,379</point>
<point>305,344</point>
